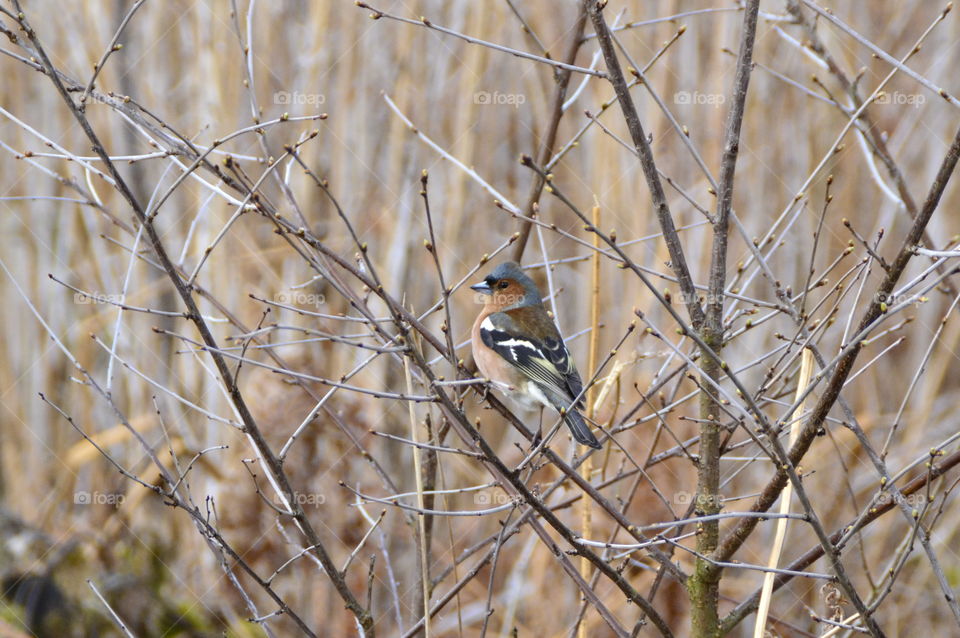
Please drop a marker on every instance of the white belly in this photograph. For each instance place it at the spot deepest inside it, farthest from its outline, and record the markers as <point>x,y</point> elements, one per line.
<point>527,394</point>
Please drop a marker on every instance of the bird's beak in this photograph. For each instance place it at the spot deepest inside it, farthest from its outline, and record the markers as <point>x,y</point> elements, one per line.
<point>482,287</point>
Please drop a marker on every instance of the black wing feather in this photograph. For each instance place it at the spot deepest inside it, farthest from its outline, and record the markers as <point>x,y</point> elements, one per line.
<point>546,362</point>
<point>559,356</point>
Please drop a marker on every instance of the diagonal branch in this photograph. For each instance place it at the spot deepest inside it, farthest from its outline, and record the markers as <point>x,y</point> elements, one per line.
<point>377,14</point>
<point>615,74</point>
<point>562,78</point>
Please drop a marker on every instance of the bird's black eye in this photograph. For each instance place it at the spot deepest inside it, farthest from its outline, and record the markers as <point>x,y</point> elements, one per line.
<point>503,284</point>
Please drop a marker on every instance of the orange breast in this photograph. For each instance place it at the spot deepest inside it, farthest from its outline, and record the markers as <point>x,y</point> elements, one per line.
<point>490,364</point>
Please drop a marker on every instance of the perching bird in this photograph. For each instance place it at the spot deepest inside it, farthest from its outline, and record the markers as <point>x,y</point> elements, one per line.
<point>518,347</point>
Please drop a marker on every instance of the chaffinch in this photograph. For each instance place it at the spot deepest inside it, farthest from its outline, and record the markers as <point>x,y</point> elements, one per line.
<point>518,347</point>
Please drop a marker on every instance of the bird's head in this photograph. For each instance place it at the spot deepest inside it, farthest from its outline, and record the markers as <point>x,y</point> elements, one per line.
<point>507,287</point>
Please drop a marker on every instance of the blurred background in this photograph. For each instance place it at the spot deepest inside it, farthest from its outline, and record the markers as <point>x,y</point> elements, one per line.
<point>69,516</point>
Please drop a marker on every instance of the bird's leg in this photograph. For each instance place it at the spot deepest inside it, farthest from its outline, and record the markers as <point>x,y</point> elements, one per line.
<point>539,435</point>
<point>484,392</point>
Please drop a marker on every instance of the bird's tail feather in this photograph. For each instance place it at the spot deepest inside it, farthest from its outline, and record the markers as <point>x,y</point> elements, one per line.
<point>579,428</point>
